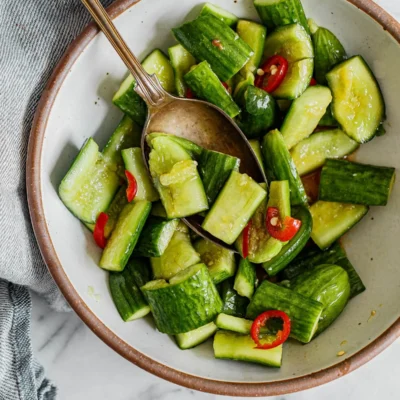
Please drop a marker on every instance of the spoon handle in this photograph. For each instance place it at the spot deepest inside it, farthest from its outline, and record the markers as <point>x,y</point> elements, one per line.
<point>148,87</point>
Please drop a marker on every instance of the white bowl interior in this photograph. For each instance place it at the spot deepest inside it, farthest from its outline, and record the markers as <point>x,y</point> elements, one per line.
<point>83,108</point>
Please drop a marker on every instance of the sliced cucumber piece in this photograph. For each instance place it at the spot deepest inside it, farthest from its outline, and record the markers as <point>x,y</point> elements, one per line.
<point>279,197</point>
<point>347,182</point>
<point>125,235</point>
<point>185,194</point>
<point>127,134</point>
<point>125,289</point>
<point>224,15</point>
<point>294,44</point>
<point>245,279</point>
<point>312,153</point>
<point>280,166</point>
<point>209,39</point>
<point>294,246</point>
<point>333,220</point>
<point>89,186</point>
<point>234,207</point>
<point>178,255</point>
<point>215,169</point>
<point>188,302</point>
<point>259,112</point>
<point>234,346</point>
<point>304,114</point>
<point>255,145</point>
<point>233,303</point>
<point>220,262</point>
<point>158,210</point>
<point>193,338</point>
<point>303,312</point>
<point>327,284</point>
<point>358,104</point>
<point>155,237</point>
<point>133,161</point>
<point>275,13</point>
<point>236,324</point>
<point>206,85</point>
<point>181,61</point>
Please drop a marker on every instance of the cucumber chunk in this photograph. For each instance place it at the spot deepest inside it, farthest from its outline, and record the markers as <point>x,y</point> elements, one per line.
<point>279,196</point>
<point>220,262</point>
<point>227,56</point>
<point>358,104</point>
<point>127,134</point>
<point>184,197</point>
<point>178,255</point>
<point>188,302</point>
<point>259,112</point>
<point>312,153</point>
<point>236,324</point>
<point>255,145</point>
<point>181,61</point>
<point>294,246</point>
<point>303,312</point>
<point>89,186</point>
<point>215,169</point>
<point>133,160</point>
<point>304,114</point>
<point>224,15</point>
<point>125,235</point>
<point>206,85</point>
<point>158,210</point>
<point>294,44</point>
<point>347,182</point>
<point>193,338</point>
<point>233,303</point>
<point>327,284</point>
<point>234,346</point>
<point>155,237</point>
<point>280,166</point>
<point>125,289</point>
<point>333,220</point>
<point>234,207</point>
<point>245,279</point>
<point>275,13</point>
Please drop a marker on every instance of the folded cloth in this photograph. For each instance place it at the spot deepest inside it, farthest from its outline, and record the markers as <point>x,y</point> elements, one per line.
<point>33,37</point>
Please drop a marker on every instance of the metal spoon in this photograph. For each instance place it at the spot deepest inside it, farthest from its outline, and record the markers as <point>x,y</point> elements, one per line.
<point>196,120</point>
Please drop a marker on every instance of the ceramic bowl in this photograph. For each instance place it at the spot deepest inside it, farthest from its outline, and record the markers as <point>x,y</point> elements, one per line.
<point>77,104</point>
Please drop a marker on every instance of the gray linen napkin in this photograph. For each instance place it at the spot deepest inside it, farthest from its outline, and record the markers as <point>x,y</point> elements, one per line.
<point>33,36</point>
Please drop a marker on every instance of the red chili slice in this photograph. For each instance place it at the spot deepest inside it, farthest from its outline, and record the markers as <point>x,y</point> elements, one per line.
<point>246,240</point>
<point>279,230</point>
<point>281,335</point>
<point>275,70</point>
<point>313,82</point>
<point>189,94</point>
<point>132,188</point>
<point>98,233</point>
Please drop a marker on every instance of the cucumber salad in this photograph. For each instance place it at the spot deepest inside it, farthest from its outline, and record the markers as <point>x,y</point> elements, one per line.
<point>305,105</point>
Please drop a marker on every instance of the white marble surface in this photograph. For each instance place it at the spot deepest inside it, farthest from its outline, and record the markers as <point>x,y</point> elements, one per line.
<point>84,368</point>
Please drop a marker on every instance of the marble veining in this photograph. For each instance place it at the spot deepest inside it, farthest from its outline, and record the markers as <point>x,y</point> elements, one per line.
<point>84,368</point>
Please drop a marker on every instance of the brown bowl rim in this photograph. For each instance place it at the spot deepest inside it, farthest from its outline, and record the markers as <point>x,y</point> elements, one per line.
<point>34,194</point>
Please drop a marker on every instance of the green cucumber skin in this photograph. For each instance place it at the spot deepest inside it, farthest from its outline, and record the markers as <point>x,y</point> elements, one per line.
<point>234,346</point>
<point>328,52</point>
<point>215,169</point>
<point>193,338</point>
<point>347,182</point>
<point>282,12</point>
<point>327,284</point>
<point>245,279</point>
<point>260,113</point>
<point>233,303</point>
<point>256,146</point>
<point>280,166</point>
<point>187,305</point>
<point>126,135</point>
<point>197,37</point>
<point>206,86</point>
<point>155,237</point>
<point>303,312</point>
<point>293,248</point>
<point>225,16</point>
<point>125,289</point>
<point>125,235</point>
